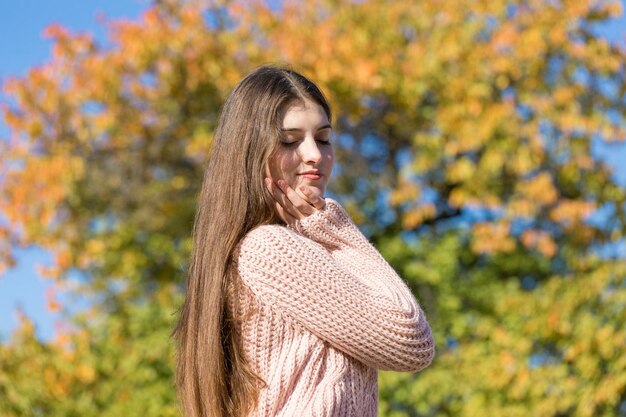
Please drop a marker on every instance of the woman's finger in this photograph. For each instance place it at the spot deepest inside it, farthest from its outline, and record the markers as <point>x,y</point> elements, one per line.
<point>281,198</point>
<point>314,196</point>
<point>301,205</point>
<point>298,203</point>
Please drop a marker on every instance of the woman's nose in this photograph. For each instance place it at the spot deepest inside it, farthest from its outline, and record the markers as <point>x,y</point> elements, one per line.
<point>310,152</point>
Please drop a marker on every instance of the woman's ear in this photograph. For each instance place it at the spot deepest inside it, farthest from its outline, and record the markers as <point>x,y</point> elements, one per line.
<point>268,174</point>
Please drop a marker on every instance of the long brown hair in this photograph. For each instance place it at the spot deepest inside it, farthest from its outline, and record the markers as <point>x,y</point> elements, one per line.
<point>212,376</point>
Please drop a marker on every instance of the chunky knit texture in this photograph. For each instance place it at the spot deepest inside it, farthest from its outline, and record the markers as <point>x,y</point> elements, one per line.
<point>326,311</point>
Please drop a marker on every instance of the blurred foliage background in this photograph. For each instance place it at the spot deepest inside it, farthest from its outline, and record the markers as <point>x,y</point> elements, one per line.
<point>464,137</point>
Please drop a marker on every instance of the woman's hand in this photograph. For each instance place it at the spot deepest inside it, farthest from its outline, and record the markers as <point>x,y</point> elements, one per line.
<point>293,205</point>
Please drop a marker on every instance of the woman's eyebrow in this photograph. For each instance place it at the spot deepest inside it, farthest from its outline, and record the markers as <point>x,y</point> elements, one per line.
<point>295,129</point>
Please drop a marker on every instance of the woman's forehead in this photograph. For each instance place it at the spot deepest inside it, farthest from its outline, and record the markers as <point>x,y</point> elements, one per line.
<point>305,113</point>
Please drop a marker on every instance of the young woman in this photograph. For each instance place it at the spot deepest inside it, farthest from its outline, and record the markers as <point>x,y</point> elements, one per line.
<point>289,310</point>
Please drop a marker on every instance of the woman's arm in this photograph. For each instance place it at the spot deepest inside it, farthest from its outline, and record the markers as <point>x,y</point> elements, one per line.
<point>367,312</point>
<point>337,233</point>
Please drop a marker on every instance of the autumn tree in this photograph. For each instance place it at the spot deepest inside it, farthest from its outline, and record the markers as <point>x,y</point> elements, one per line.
<point>464,134</point>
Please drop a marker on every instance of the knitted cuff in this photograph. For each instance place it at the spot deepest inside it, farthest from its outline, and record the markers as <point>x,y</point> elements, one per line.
<point>327,226</point>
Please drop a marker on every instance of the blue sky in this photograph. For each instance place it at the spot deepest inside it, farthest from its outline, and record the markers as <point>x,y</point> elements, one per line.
<point>22,47</point>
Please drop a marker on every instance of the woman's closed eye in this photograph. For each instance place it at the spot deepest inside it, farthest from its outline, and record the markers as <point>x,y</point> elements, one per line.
<point>292,142</point>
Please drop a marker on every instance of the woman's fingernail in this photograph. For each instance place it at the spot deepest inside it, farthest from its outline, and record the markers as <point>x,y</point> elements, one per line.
<point>281,183</point>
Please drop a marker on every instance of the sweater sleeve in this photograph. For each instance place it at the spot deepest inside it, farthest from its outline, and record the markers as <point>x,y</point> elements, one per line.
<point>369,313</point>
<point>333,228</point>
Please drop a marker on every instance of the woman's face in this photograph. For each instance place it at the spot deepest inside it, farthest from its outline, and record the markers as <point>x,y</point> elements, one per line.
<point>305,154</point>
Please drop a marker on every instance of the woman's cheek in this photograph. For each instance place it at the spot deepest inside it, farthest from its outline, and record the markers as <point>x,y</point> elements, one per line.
<point>287,171</point>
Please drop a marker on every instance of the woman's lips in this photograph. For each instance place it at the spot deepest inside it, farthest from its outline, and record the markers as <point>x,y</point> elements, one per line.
<point>311,175</point>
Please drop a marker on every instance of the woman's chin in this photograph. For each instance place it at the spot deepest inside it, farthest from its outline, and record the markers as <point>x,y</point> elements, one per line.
<point>316,188</point>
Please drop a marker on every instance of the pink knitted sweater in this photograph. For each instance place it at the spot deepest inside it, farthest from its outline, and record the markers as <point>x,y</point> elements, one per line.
<point>327,312</point>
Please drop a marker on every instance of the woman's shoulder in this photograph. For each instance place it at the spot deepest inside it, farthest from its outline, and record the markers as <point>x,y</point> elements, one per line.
<point>265,238</point>
<point>267,231</point>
